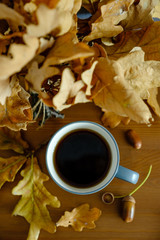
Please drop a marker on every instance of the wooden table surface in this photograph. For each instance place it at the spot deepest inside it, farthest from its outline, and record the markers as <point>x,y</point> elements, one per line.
<point>146,224</point>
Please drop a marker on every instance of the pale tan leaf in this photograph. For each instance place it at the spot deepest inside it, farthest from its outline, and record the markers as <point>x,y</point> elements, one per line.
<point>9,13</point>
<point>156,11</point>
<point>35,197</point>
<point>105,23</point>
<point>153,101</point>
<point>5,91</point>
<point>18,56</point>
<point>119,96</point>
<point>139,14</point>
<point>141,75</point>
<point>50,20</point>
<point>80,217</point>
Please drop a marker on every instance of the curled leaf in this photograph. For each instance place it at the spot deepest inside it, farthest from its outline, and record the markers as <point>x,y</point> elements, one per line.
<point>35,197</point>
<point>80,217</point>
<point>153,101</point>
<point>16,112</point>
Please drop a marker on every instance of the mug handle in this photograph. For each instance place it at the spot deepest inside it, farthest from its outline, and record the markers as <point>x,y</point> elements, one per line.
<point>127,175</point>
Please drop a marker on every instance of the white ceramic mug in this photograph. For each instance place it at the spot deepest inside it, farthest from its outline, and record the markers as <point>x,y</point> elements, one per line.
<point>115,170</point>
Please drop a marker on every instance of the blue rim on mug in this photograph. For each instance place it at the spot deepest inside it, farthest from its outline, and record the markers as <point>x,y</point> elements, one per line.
<point>82,125</point>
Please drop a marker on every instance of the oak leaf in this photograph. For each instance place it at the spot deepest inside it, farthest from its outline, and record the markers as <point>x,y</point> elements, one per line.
<point>139,14</point>
<point>35,197</point>
<point>80,217</point>
<point>119,96</point>
<point>105,22</point>
<point>12,140</point>
<point>16,112</point>
<point>50,20</point>
<point>9,168</point>
<point>18,56</point>
<point>71,88</point>
<point>153,101</point>
<point>148,38</point>
<point>67,48</point>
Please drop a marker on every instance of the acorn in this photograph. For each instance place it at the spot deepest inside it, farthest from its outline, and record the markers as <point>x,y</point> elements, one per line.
<point>128,208</point>
<point>133,138</point>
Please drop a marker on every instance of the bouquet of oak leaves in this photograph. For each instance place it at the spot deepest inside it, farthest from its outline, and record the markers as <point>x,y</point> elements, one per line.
<point>112,58</point>
<point>50,60</point>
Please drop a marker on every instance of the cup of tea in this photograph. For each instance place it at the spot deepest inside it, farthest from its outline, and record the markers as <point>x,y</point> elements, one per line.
<point>83,158</point>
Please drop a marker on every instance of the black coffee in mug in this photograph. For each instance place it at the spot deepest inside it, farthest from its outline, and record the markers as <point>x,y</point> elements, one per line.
<point>82,158</point>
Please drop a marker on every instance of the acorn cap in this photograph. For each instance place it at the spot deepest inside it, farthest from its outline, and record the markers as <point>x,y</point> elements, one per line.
<point>108,198</point>
<point>129,199</point>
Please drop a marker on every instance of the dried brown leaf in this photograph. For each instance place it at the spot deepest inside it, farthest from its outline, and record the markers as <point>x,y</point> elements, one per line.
<point>139,14</point>
<point>119,96</point>
<point>105,22</point>
<point>12,140</point>
<point>67,48</point>
<point>80,217</point>
<point>153,101</point>
<point>16,112</point>
<point>148,38</point>
<point>9,168</point>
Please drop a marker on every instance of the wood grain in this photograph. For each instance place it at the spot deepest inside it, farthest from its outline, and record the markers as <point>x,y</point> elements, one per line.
<point>146,224</point>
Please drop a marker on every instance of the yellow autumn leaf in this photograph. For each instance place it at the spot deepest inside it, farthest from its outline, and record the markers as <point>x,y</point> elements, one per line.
<point>9,168</point>
<point>35,197</point>
<point>80,217</point>
<point>12,140</point>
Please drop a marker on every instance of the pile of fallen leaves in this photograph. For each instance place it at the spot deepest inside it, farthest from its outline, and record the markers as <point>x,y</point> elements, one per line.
<point>34,196</point>
<point>111,58</point>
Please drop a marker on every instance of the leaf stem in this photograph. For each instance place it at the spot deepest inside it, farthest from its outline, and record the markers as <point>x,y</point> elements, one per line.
<point>21,158</point>
<point>93,8</point>
<point>139,186</point>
